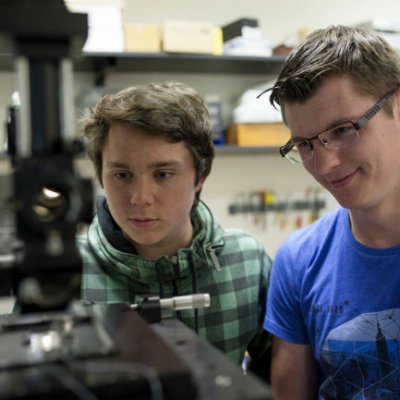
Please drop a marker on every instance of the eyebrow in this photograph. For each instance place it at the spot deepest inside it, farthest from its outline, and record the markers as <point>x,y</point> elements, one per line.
<point>154,165</point>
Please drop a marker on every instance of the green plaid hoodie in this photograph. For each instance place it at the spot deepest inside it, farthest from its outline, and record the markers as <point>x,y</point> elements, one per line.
<point>230,265</point>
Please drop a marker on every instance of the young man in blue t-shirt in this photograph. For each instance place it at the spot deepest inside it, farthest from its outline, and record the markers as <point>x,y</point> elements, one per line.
<point>334,300</point>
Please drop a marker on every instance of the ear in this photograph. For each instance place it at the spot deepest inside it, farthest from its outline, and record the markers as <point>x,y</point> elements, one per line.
<point>200,183</point>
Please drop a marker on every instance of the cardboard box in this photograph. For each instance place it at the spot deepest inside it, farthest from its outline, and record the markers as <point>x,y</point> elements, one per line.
<point>218,42</point>
<point>273,134</point>
<point>142,37</point>
<point>188,37</point>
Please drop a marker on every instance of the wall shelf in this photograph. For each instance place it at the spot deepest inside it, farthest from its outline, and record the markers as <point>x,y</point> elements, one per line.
<point>170,62</point>
<point>177,62</point>
<point>233,149</point>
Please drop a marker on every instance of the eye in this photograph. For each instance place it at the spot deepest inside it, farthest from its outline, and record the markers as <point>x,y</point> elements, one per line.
<point>340,131</point>
<point>163,175</point>
<point>121,175</point>
<point>303,145</point>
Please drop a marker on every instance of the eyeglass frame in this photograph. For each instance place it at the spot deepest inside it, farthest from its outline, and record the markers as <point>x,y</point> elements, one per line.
<point>360,123</point>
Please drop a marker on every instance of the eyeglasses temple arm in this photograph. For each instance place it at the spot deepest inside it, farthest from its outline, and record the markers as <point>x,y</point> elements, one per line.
<point>283,150</point>
<point>372,111</point>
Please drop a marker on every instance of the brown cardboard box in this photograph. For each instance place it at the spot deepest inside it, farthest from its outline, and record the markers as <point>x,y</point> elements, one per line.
<point>142,37</point>
<point>188,37</point>
<point>271,134</point>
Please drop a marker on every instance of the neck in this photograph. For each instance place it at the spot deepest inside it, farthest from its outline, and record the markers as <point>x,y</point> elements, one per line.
<point>376,229</point>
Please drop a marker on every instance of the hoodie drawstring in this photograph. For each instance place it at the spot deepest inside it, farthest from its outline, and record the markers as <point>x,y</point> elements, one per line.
<point>214,258</point>
<point>160,281</point>
<point>175,288</point>
<point>193,271</point>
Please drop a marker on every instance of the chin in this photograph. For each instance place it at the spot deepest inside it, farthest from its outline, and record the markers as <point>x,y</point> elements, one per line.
<point>351,203</point>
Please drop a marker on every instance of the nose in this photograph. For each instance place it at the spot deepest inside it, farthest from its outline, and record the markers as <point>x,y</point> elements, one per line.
<point>324,159</point>
<point>142,192</point>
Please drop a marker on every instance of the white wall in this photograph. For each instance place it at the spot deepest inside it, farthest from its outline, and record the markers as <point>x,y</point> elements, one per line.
<point>277,19</point>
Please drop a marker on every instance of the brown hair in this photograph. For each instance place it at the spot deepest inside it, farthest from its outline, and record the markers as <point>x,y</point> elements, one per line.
<point>363,56</point>
<point>171,110</point>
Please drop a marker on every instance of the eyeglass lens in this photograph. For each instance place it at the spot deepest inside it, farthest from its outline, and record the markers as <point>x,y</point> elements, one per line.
<point>335,138</point>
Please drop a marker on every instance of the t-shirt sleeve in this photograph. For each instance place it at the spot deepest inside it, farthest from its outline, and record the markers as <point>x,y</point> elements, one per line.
<point>284,316</point>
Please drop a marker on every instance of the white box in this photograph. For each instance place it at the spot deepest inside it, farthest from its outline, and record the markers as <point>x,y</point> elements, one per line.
<point>105,33</point>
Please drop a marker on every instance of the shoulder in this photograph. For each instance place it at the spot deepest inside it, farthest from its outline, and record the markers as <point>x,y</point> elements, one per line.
<point>322,227</point>
<point>241,239</point>
<point>242,247</point>
<point>81,241</point>
<point>316,238</point>
<point>86,248</point>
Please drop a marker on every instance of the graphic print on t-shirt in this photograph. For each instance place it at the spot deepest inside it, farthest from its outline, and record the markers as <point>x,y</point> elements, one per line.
<point>362,358</point>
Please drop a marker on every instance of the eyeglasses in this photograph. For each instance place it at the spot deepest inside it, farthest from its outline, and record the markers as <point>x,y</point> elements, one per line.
<point>338,137</point>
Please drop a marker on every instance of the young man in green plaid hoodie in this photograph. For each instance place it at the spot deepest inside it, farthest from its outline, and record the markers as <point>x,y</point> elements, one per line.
<point>152,150</point>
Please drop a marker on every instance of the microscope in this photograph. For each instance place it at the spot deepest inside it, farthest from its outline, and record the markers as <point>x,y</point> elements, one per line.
<point>53,346</point>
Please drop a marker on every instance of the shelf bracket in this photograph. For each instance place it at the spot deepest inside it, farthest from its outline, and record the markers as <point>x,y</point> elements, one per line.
<point>101,68</point>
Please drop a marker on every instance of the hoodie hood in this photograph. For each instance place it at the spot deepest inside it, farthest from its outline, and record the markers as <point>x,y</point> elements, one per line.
<point>115,253</point>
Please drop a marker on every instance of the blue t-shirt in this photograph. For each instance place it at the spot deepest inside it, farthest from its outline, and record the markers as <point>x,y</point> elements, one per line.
<point>343,299</point>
